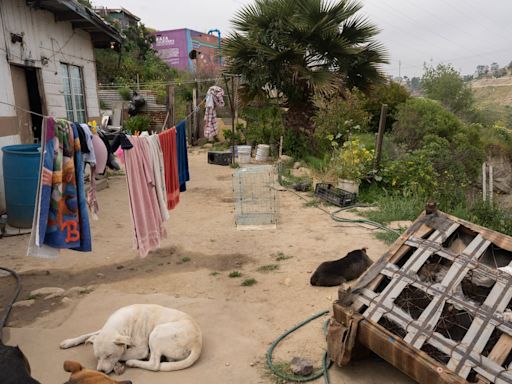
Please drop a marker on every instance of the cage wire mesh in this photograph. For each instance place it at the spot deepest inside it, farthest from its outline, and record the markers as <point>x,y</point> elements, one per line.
<point>255,196</point>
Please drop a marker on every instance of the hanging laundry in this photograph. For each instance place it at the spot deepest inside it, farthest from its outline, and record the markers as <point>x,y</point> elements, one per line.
<point>111,160</point>
<point>101,154</point>
<point>181,140</point>
<point>214,99</point>
<point>159,174</point>
<point>62,219</point>
<point>146,216</point>
<point>170,155</point>
<point>89,157</point>
<point>83,140</point>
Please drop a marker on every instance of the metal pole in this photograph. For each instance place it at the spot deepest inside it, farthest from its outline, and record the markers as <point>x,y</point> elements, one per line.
<point>194,115</point>
<point>484,181</point>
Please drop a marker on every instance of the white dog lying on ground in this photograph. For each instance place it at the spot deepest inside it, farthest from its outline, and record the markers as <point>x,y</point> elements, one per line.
<point>136,331</point>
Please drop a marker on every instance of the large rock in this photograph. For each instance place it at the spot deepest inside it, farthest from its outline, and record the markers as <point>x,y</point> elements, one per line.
<point>46,291</point>
<point>77,291</point>
<point>301,366</point>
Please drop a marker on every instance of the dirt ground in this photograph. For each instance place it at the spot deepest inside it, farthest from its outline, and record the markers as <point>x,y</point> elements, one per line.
<point>190,273</point>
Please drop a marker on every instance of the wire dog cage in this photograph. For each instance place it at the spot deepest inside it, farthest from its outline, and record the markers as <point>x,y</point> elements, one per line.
<point>255,195</point>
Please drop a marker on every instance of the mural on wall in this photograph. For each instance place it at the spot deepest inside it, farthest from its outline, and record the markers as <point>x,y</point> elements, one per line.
<point>174,47</point>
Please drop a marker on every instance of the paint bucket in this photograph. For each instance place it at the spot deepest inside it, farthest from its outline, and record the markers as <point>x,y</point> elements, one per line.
<point>244,154</point>
<point>262,152</point>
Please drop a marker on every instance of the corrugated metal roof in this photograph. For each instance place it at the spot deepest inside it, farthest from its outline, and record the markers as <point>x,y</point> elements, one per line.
<point>102,33</point>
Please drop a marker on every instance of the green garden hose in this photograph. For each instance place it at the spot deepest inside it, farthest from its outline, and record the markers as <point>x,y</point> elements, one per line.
<point>361,221</point>
<point>326,364</point>
<point>300,379</point>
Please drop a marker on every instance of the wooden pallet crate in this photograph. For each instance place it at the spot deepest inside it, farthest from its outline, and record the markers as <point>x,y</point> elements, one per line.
<point>435,305</point>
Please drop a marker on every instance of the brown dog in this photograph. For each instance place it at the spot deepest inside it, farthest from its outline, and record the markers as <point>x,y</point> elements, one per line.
<point>80,375</point>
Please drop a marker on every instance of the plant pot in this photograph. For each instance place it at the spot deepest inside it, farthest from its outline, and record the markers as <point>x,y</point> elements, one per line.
<point>349,185</point>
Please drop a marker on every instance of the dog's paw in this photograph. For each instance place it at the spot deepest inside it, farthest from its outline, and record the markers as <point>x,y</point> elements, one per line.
<point>131,363</point>
<point>66,344</point>
<point>119,368</point>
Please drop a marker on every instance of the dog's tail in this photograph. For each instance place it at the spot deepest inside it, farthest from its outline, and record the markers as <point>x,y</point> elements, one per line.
<point>185,363</point>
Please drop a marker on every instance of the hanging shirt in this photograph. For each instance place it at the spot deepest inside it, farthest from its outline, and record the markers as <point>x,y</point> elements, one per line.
<point>89,157</point>
<point>214,99</point>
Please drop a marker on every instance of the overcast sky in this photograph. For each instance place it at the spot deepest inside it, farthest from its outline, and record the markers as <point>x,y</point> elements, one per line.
<point>464,33</point>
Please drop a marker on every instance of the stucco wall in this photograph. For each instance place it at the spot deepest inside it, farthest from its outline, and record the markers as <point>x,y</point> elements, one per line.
<point>46,43</point>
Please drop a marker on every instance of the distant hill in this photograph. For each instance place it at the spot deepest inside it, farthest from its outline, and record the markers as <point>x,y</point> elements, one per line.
<point>493,94</point>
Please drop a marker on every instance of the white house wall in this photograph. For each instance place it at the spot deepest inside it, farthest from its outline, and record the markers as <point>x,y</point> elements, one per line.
<point>46,44</point>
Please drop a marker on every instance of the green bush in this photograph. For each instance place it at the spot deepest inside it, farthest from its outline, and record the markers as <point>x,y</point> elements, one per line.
<point>393,95</point>
<point>137,123</point>
<point>341,116</point>
<point>419,117</point>
<point>264,124</point>
<point>125,93</point>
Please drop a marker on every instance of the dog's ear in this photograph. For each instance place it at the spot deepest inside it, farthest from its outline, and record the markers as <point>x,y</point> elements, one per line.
<point>72,366</point>
<point>122,340</point>
<point>90,340</point>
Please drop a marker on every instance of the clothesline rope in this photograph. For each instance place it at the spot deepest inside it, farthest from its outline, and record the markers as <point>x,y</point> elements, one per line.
<point>23,109</point>
<point>196,109</point>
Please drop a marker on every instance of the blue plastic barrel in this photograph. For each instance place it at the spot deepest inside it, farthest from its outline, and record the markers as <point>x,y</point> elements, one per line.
<point>21,174</point>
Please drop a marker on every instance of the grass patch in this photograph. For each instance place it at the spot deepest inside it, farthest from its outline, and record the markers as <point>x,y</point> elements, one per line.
<point>185,259</point>
<point>392,207</point>
<point>268,268</point>
<point>249,282</point>
<point>214,273</point>
<point>313,203</point>
<point>387,237</point>
<point>234,165</point>
<point>281,256</point>
<point>234,274</point>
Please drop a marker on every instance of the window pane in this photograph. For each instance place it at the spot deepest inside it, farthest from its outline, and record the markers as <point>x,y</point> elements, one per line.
<point>80,116</point>
<point>73,93</point>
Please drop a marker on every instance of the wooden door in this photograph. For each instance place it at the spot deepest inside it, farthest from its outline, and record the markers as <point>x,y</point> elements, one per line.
<point>21,99</point>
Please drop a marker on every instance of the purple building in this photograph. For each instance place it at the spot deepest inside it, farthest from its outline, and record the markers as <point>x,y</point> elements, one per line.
<point>174,46</point>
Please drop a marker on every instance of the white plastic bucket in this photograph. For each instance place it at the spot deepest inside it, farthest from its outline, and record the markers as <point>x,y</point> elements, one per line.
<point>244,154</point>
<point>262,152</point>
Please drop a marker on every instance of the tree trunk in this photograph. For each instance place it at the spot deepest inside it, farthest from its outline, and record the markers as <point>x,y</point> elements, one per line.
<point>299,119</point>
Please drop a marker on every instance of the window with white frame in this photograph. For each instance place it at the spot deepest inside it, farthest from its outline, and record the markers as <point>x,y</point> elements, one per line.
<point>74,93</point>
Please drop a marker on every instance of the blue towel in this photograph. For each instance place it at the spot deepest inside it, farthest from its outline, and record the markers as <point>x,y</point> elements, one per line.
<point>181,140</point>
<point>64,219</point>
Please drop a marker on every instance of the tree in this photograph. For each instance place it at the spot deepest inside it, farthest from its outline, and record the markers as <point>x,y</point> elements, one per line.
<point>392,94</point>
<point>296,49</point>
<point>85,3</point>
<point>445,84</point>
<point>137,57</point>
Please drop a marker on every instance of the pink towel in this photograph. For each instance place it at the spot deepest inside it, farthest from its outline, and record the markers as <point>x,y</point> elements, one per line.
<point>147,219</point>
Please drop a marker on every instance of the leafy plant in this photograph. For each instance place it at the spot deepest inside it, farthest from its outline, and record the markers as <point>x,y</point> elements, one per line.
<point>137,123</point>
<point>249,282</point>
<point>268,268</point>
<point>125,93</point>
<point>281,256</point>
<point>234,274</point>
<point>352,161</point>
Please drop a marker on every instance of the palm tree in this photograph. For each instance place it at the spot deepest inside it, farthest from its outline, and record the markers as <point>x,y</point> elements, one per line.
<point>295,49</point>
